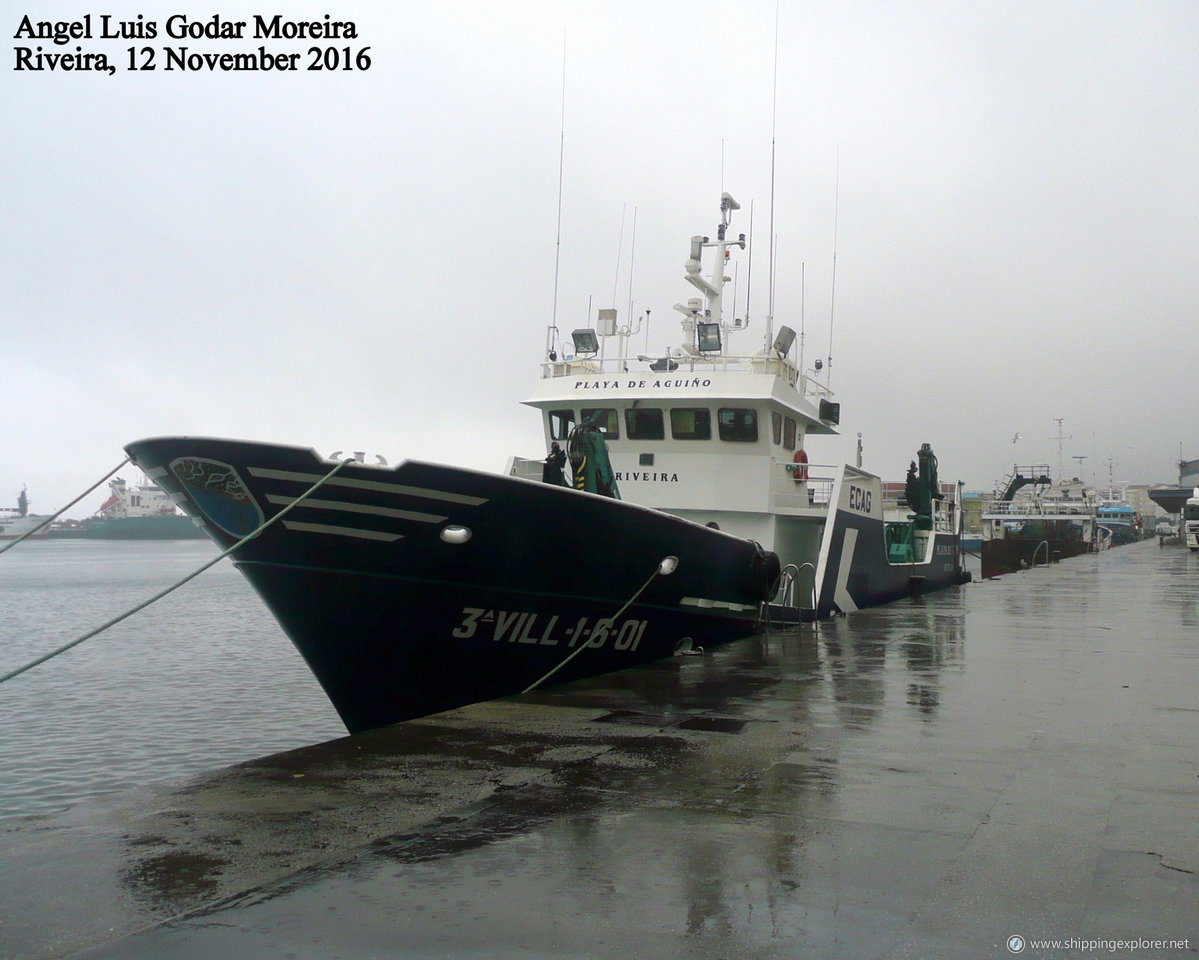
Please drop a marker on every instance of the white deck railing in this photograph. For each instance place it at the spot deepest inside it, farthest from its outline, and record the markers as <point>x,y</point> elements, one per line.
<point>688,365</point>
<point>814,493</point>
<point>1039,507</point>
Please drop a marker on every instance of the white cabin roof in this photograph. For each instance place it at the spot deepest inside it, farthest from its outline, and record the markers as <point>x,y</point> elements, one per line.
<point>749,381</point>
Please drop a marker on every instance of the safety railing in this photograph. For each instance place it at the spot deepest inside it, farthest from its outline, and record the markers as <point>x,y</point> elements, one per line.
<point>666,366</point>
<point>643,372</point>
<point>1038,507</point>
<point>945,512</point>
<point>802,486</point>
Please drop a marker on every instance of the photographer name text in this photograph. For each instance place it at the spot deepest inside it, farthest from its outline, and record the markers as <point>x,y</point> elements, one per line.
<point>194,45</point>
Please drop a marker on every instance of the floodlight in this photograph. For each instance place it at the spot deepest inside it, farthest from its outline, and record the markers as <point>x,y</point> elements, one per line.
<point>585,341</point>
<point>708,335</point>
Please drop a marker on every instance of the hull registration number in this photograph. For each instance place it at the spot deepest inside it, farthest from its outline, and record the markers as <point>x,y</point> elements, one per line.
<point>514,626</point>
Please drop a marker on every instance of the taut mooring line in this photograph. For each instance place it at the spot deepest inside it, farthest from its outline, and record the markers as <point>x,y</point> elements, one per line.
<point>191,576</point>
<point>665,568</point>
<point>49,520</point>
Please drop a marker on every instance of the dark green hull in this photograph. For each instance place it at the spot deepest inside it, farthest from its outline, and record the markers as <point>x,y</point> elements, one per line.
<point>141,528</point>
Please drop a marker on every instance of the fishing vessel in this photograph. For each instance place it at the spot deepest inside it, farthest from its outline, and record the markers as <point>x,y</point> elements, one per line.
<point>1120,520</point>
<point>1034,521</point>
<point>19,522</point>
<point>677,508</point>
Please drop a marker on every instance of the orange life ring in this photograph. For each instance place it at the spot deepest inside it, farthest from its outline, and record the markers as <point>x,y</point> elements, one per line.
<point>801,470</point>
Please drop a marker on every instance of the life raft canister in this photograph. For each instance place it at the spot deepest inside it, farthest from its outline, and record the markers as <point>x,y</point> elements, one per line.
<point>801,468</point>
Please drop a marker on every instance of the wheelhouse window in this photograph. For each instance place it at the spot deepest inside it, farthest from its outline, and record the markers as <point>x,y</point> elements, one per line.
<point>644,424</point>
<point>738,424</point>
<point>691,423</point>
<point>605,418</point>
<point>561,423</point>
<point>789,434</point>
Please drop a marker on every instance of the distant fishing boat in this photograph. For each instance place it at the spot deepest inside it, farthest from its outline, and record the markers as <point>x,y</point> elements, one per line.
<point>1032,521</point>
<point>1120,520</point>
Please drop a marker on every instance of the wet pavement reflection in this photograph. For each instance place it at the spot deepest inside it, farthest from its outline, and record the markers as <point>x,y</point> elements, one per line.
<point>920,780</point>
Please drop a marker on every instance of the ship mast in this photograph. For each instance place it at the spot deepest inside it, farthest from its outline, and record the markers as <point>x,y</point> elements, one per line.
<point>697,324</point>
<point>1061,469</point>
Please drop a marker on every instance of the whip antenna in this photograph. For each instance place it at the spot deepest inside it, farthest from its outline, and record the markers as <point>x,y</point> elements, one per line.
<point>749,267</point>
<point>553,345</point>
<point>632,261</point>
<point>774,103</point>
<point>624,209</point>
<point>803,308</point>
<point>832,298</point>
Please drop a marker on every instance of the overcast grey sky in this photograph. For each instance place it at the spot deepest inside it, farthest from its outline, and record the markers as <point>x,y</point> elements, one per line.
<point>364,260</point>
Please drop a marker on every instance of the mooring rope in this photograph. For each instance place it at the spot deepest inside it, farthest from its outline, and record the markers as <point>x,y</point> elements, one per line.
<point>660,571</point>
<point>175,586</point>
<point>49,520</point>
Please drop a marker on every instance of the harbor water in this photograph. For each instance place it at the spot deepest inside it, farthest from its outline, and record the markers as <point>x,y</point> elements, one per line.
<point>202,678</point>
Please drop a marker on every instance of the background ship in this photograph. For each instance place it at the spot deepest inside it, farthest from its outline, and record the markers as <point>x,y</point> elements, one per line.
<point>19,522</point>
<point>140,511</point>
<point>1173,498</point>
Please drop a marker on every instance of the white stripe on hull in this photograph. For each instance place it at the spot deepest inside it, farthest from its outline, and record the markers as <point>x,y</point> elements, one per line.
<point>341,531</point>
<point>267,474</point>
<point>347,507</point>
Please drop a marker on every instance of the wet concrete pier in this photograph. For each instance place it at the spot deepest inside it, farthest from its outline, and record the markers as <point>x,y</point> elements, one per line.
<point>1017,758</point>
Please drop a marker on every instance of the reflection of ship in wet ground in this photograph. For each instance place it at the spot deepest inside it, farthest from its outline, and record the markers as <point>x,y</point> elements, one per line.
<point>690,726</point>
<point>1034,521</point>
